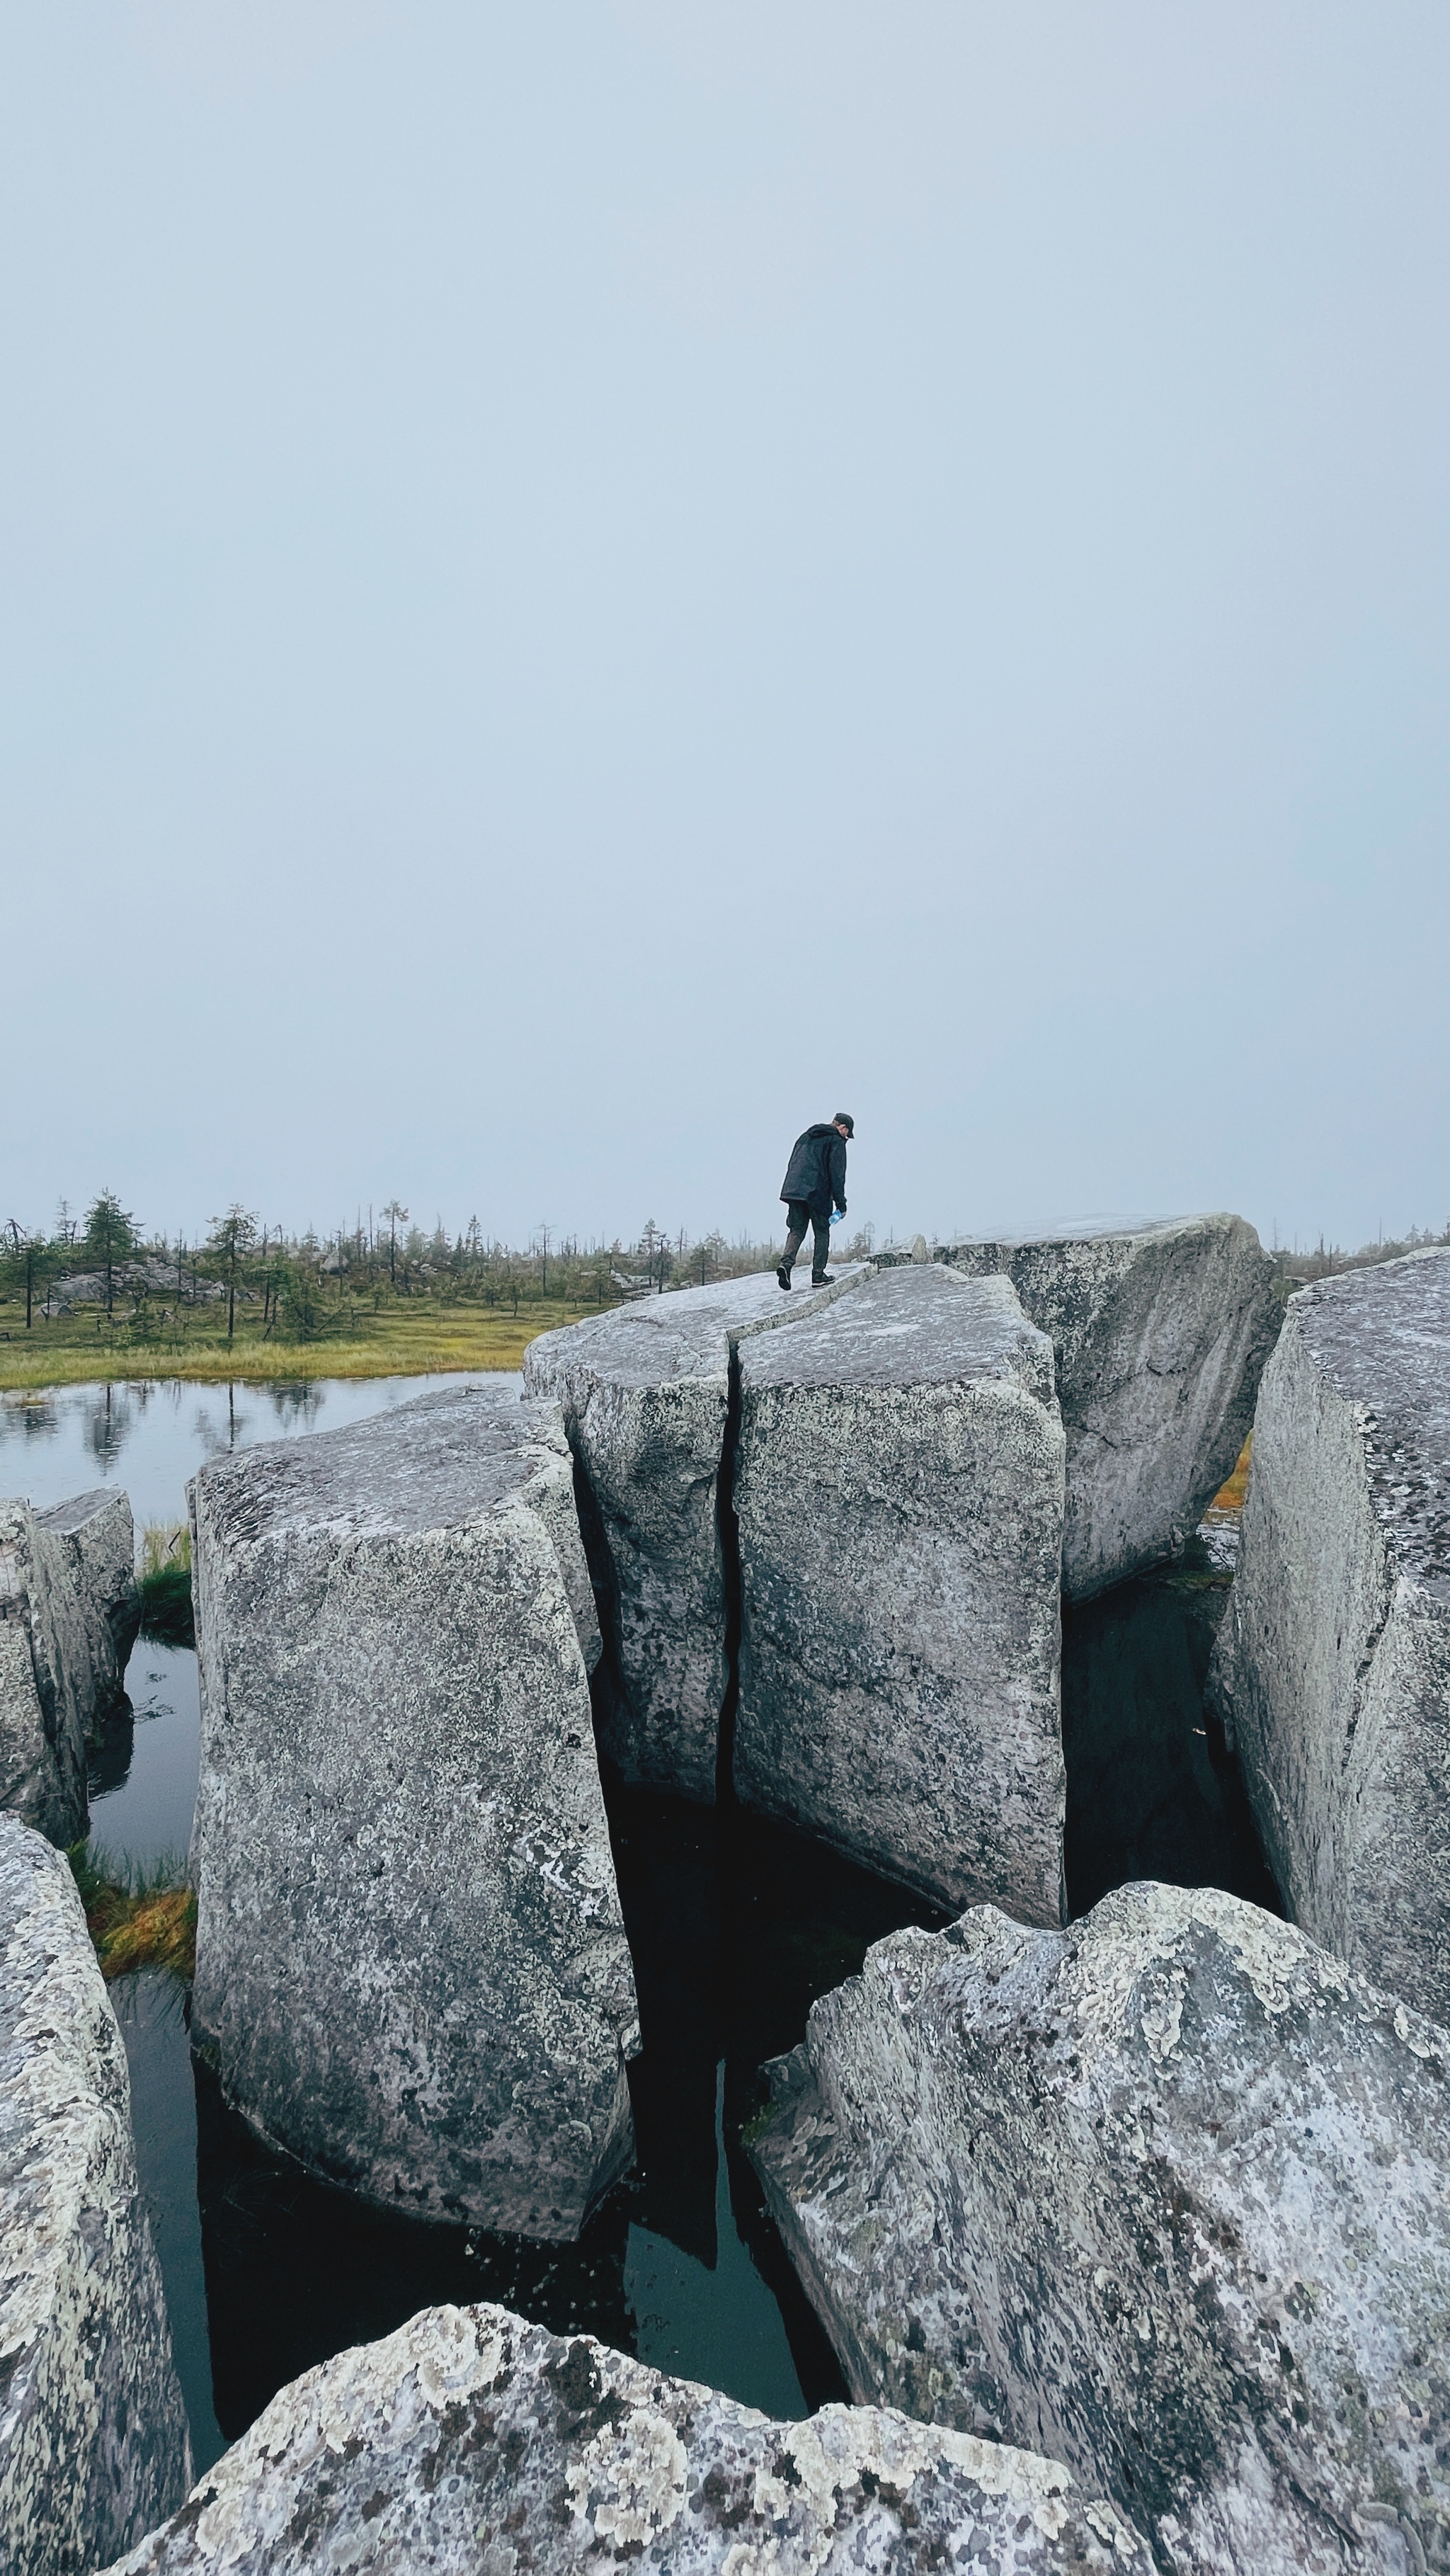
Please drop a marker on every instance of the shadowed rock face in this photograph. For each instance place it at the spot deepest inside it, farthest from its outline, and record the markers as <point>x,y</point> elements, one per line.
<point>93,2439</point>
<point>899,1490</point>
<point>411,1966</point>
<point>646,1398</point>
<point>1161,1332</point>
<point>469,2441</point>
<point>67,1593</point>
<point>1335,1658</point>
<point>1166,2196</point>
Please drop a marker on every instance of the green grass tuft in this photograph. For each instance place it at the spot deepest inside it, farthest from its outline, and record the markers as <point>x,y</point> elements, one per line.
<point>137,1918</point>
<point>163,1584</point>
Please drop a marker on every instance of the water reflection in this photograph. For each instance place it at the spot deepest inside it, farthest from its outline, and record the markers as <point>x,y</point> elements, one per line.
<point>735,1926</point>
<point>151,1434</point>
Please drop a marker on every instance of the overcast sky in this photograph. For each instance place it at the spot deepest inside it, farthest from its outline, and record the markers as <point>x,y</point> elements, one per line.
<point>586,584</point>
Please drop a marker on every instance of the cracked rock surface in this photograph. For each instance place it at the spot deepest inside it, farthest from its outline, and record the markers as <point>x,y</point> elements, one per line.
<point>1335,1657</point>
<point>411,1965</point>
<point>67,1593</point>
<point>472,2444</point>
<point>1166,2196</point>
<point>899,1489</point>
<point>1161,1331</point>
<point>93,2438</point>
<point>646,1398</point>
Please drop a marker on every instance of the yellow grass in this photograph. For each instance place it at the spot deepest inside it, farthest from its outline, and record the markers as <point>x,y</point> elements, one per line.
<point>1230,1497</point>
<point>141,1925</point>
<point>413,1338</point>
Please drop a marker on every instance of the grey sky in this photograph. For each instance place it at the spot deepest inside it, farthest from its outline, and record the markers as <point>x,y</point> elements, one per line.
<point>585,584</point>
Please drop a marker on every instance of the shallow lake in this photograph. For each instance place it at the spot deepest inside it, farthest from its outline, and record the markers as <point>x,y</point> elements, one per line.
<point>735,1927</point>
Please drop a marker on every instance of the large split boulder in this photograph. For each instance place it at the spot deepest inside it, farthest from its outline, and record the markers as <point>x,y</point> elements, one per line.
<point>1161,1331</point>
<point>1335,1656</point>
<point>899,1492</point>
<point>472,2444</point>
<point>1166,2196</point>
<point>67,1617</point>
<point>411,1966</point>
<point>646,1398</point>
<point>93,2438</point>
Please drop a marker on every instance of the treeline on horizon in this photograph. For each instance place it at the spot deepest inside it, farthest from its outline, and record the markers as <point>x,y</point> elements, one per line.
<point>301,1287</point>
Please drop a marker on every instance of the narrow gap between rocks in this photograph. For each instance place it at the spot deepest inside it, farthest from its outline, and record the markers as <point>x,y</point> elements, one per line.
<point>729,1525</point>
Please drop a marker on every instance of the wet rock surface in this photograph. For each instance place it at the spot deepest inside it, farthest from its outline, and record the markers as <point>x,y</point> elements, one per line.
<point>1161,1331</point>
<point>899,1493</point>
<point>1335,1659</point>
<point>93,2443</point>
<point>469,2441</point>
<point>67,1593</point>
<point>1166,2196</point>
<point>411,1967</point>
<point>646,1398</point>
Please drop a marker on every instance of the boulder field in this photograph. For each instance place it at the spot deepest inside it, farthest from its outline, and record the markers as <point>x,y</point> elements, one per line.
<point>411,1967</point>
<point>472,2444</point>
<point>646,1394</point>
<point>1334,1660</point>
<point>67,1617</point>
<point>93,2439</point>
<point>1161,1330</point>
<point>899,1496</point>
<point>1165,2196</point>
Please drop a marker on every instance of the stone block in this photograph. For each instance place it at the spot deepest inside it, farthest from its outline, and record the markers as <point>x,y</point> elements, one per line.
<point>472,2444</point>
<point>1161,1330</point>
<point>93,2439</point>
<point>899,1491</point>
<point>67,1617</point>
<point>411,1966</point>
<point>1165,2196</point>
<point>646,1397</point>
<point>1335,1655</point>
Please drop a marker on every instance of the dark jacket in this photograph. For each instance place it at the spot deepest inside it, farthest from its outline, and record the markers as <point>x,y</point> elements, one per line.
<point>816,1171</point>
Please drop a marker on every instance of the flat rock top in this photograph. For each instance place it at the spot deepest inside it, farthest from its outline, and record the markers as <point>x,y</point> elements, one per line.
<point>1090,1229</point>
<point>433,1464</point>
<point>1382,1336</point>
<point>80,1509</point>
<point>926,1326</point>
<point>688,1332</point>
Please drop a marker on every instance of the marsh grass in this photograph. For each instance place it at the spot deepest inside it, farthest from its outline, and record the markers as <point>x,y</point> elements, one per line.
<point>1230,1497</point>
<point>411,1337</point>
<point>137,1918</point>
<point>163,1583</point>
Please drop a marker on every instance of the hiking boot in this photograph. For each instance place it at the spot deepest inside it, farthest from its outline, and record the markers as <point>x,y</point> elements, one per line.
<point>782,1275</point>
<point>826,1279</point>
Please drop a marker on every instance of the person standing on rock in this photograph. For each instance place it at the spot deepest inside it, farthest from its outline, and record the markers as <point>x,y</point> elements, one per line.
<point>815,1175</point>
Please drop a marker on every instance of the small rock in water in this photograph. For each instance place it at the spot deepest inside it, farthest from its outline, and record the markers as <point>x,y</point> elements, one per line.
<point>1166,2196</point>
<point>900,1495</point>
<point>1334,1662</point>
<point>1161,1330</point>
<point>411,1966</point>
<point>472,2444</point>
<point>93,2440</point>
<point>67,1616</point>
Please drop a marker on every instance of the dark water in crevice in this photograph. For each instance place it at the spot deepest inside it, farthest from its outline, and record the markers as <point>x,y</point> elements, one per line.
<point>735,1925</point>
<point>1152,1789</point>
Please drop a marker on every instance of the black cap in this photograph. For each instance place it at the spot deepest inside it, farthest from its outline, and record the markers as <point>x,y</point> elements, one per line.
<point>844,1119</point>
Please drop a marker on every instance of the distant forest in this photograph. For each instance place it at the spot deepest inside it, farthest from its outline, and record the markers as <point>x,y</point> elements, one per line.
<point>301,1287</point>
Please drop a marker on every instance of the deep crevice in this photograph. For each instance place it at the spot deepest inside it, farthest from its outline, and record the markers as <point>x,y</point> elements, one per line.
<point>729,1526</point>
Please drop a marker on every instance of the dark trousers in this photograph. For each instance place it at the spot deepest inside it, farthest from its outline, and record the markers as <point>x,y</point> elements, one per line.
<point>799,1222</point>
